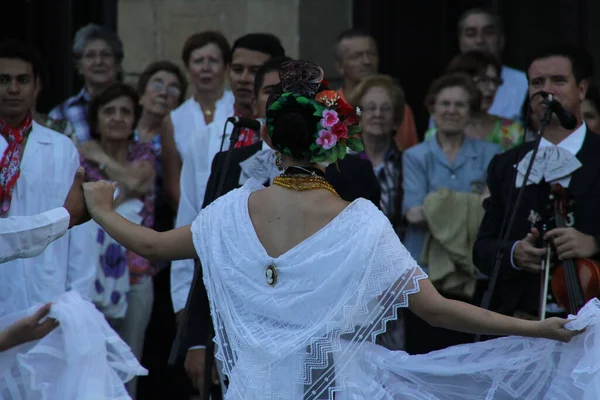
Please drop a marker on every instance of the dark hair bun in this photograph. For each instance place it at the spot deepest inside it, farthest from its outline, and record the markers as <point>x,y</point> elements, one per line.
<point>295,129</point>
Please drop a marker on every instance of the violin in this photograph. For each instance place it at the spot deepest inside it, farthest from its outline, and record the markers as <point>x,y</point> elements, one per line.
<point>576,281</point>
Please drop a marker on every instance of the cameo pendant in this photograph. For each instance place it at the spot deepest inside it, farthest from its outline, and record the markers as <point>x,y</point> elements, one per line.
<point>271,275</point>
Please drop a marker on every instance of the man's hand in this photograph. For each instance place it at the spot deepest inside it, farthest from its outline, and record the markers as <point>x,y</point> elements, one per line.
<point>570,243</point>
<point>27,329</point>
<point>526,255</point>
<point>75,202</point>
<point>194,367</point>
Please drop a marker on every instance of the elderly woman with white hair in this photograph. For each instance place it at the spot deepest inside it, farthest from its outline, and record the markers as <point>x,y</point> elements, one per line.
<point>98,54</point>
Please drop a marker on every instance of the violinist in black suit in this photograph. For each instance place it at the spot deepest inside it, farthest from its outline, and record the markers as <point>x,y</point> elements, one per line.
<point>352,177</point>
<point>568,157</point>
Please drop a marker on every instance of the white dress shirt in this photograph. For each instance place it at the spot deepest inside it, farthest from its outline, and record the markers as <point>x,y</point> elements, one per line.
<point>27,236</point>
<point>511,95</point>
<point>572,143</point>
<point>195,171</point>
<point>47,169</point>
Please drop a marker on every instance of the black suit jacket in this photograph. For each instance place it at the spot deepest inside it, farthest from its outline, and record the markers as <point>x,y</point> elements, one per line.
<point>518,290</point>
<point>354,179</point>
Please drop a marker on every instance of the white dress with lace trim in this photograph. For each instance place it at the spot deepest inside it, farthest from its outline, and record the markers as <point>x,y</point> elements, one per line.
<point>82,359</point>
<point>311,334</point>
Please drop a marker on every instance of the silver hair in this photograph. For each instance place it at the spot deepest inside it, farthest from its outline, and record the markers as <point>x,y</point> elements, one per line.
<point>94,32</point>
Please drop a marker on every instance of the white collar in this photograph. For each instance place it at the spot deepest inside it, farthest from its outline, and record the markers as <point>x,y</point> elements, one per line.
<point>572,143</point>
<point>265,146</point>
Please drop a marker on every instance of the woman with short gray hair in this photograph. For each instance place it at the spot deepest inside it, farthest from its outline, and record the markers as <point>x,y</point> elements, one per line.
<point>97,53</point>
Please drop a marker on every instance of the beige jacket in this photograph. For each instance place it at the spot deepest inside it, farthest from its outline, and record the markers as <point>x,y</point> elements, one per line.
<point>453,219</point>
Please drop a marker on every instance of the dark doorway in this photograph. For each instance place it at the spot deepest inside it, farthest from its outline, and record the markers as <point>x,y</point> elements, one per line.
<point>49,26</point>
<point>418,38</point>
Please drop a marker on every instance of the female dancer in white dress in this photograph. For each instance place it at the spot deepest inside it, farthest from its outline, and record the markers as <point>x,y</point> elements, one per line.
<point>301,283</point>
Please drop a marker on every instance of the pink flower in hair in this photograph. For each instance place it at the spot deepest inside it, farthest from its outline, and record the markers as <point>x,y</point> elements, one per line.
<point>326,139</point>
<point>330,118</point>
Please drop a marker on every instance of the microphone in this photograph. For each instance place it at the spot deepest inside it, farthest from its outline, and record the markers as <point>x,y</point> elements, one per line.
<point>249,123</point>
<point>567,120</point>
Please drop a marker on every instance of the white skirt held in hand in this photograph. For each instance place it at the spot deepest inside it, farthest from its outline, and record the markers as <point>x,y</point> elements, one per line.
<point>82,359</point>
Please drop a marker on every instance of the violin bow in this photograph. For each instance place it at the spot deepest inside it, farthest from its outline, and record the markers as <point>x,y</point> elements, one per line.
<point>545,278</point>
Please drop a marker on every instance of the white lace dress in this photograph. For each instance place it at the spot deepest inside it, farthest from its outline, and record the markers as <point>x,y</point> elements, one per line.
<point>303,325</point>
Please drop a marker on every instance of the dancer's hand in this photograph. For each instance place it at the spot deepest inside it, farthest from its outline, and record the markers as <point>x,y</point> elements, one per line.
<point>554,328</point>
<point>99,196</point>
<point>27,329</point>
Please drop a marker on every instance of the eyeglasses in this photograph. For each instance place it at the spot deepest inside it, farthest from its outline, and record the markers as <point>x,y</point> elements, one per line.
<point>371,108</point>
<point>158,86</point>
<point>103,55</point>
<point>487,80</point>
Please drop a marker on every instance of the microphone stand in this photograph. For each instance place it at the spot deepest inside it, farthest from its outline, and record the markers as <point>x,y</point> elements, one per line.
<point>181,331</point>
<point>501,248</point>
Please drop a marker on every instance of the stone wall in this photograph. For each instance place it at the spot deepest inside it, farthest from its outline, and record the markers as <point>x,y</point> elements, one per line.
<point>156,29</point>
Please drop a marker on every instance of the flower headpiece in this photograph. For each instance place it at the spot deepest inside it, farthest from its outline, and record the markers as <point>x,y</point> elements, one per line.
<point>337,125</point>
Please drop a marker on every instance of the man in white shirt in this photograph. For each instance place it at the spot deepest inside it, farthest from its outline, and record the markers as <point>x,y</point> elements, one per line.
<point>36,172</point>
<point>480,29</point>
<point>28,235</point>
<point>248,54</point>
<point>247,57</point>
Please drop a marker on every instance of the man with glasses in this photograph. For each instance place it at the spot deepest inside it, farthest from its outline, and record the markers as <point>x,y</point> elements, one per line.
<point>480,29</point>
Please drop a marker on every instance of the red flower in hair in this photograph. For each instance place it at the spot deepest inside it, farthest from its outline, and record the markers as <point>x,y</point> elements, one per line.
<point>351,120</point>
<point>344,108</point>
<point>340,130</point>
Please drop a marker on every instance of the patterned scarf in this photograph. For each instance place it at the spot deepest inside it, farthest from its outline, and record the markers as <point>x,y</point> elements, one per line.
<point>10,164</point>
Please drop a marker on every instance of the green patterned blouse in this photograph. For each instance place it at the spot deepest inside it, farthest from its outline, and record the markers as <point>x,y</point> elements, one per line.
<point>506,133</point>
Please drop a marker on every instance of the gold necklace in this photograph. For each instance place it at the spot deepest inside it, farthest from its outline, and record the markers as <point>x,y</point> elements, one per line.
<point>304,182</point>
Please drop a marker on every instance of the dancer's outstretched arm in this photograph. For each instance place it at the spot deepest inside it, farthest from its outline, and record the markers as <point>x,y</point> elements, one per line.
<point>175,244</point>
<point>438,311</point>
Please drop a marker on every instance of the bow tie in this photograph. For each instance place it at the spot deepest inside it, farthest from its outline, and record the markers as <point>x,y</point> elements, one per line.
<point>261,166</point>
<point>551,164</point>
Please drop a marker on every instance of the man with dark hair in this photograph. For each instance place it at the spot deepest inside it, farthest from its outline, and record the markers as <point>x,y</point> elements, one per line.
<point>248,53</point>
<point>37,167</point>
<point>562,72</point>
<point>352,178</point>
<point>481,29</point>
<point>356,57</point>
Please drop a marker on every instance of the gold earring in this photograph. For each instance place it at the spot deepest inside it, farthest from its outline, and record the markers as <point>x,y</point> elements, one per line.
<point>279,161</point>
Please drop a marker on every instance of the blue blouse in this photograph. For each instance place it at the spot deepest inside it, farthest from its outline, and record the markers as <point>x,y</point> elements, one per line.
<point>426,169</point>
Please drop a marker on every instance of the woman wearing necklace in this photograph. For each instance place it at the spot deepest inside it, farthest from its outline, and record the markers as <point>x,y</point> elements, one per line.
<point>301,283</point>
<point>207,57</point>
